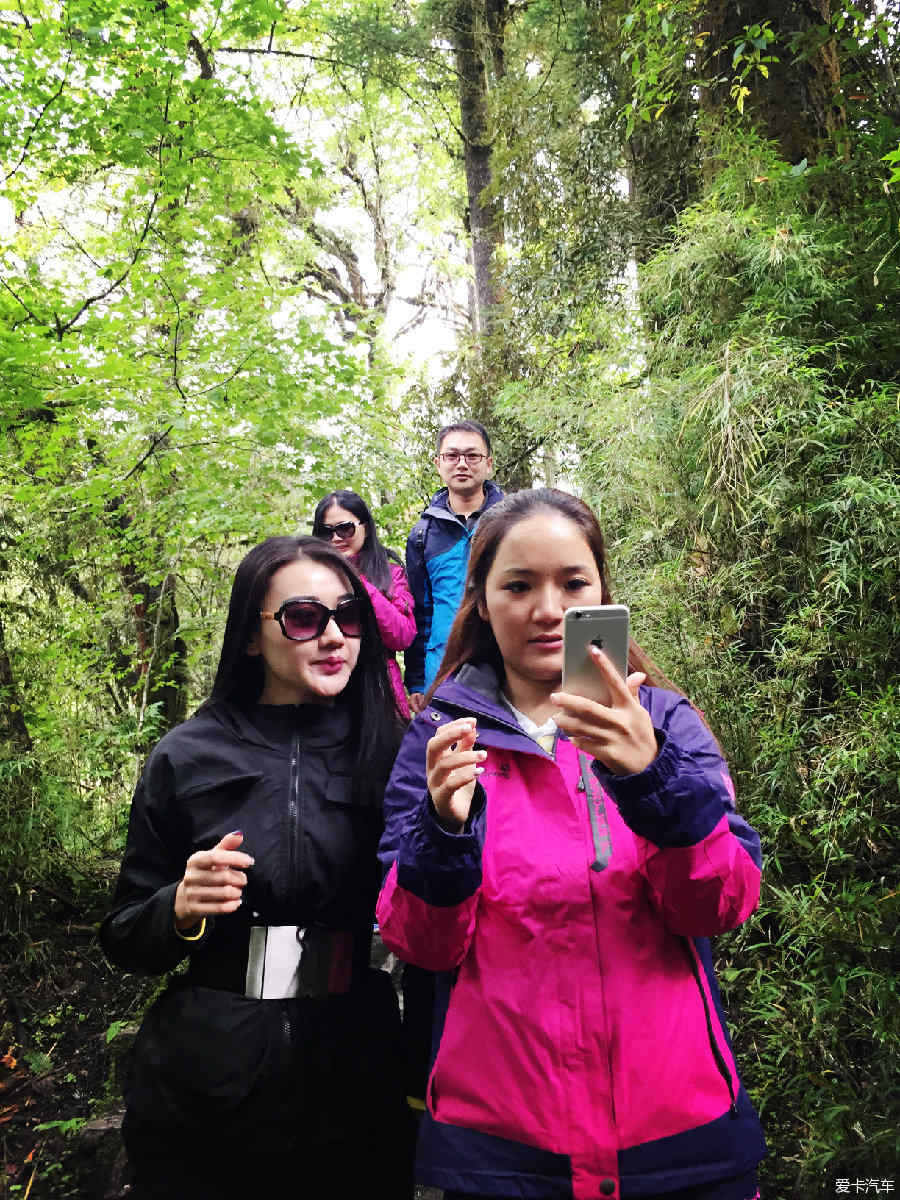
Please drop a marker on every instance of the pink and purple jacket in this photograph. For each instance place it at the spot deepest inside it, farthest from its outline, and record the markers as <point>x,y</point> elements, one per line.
<point>581,1049</point>
<point>396,624</point>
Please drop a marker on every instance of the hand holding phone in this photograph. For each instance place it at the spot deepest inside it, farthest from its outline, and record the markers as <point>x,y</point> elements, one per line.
<point>604,626</point>
<point>620,734</point>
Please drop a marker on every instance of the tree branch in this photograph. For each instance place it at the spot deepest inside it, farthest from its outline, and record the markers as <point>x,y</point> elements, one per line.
<point>206,66</point>
<point>19,300</point>
<point>155,440</point>
<point>175,334</point>
<point>223,383</point>
<point>511,466</point>
<point>349,66</point>
<point>64,328</point>
<point>33,130</point>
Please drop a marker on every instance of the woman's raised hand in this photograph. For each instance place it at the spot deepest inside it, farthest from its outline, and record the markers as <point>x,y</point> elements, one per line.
<point>619,734</point>
<point>452,768</point>
<point>213,882</point>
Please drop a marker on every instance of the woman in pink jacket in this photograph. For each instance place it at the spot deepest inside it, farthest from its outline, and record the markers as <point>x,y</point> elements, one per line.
<point>562,864</point>
<point>343,519</point>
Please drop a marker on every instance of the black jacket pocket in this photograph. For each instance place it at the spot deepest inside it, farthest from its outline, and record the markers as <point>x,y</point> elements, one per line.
<point>205,1058</point>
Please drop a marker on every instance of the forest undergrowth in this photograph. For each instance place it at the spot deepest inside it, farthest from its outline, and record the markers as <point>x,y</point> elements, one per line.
<point>65,1017</point>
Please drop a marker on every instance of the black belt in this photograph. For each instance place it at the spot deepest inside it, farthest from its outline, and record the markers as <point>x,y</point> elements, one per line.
<point>285,961</point>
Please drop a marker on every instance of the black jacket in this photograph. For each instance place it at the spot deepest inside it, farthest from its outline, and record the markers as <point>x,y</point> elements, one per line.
<point>207,1057</point>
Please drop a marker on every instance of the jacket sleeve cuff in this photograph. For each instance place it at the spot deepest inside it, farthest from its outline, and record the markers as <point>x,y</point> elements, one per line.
<point>440,867</point>
<point>184,941</point>
<point>414,673</point>
<point>478,801</point>
<point>668,803</point>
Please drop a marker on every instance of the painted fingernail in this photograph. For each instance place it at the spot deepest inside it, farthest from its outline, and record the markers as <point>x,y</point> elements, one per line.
<point>479,770</point>
<point>236,832</point>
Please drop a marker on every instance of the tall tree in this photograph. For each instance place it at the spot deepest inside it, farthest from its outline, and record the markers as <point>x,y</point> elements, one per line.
<point>477,30</point>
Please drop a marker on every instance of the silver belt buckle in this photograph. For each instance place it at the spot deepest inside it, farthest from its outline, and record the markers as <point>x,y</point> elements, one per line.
<point>273,961</point>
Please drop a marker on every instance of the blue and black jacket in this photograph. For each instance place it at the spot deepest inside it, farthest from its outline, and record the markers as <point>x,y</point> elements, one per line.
<point>437,554</point>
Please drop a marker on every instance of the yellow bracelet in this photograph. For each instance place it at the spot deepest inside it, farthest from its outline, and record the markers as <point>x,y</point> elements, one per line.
<point>193,937</point>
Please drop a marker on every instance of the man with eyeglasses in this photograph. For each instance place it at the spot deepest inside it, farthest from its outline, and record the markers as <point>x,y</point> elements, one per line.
<point>437,550</point>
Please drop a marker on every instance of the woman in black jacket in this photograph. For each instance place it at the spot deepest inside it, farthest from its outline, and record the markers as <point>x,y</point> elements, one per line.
<point>272,1061</point>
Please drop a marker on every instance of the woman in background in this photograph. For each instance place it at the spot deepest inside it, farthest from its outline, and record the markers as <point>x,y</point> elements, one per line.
<point>343,519</point>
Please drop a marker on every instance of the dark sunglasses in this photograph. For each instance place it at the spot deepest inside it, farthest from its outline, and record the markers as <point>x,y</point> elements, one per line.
<point>303,620</point>
<point>344,529</point>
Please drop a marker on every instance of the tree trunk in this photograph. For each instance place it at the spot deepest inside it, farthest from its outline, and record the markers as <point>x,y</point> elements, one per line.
<point>159,674</point>
<point>467,22</point>
<point>164,667</point>
<point>160,668</point>
<point>797,105</point>
<point>14,735</point>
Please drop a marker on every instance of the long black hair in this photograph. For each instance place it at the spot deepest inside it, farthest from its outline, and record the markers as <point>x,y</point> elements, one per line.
<point>373,558</point>
<point>376,726</point>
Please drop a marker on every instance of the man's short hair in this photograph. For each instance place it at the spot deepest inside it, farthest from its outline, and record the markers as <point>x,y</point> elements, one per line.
<point>465,427</point>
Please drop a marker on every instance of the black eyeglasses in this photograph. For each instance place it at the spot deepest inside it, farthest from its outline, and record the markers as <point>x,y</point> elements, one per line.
<point>344,529</point>
<point>303,620</point>
<point>472,457</point>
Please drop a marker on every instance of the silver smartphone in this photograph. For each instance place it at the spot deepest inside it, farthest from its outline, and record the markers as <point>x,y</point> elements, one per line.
<point>603,625</point>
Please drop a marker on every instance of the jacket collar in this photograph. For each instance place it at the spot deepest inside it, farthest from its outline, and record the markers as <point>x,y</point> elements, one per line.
<point>439,504</point>
<point>274,725</point>
<point>475,688</point>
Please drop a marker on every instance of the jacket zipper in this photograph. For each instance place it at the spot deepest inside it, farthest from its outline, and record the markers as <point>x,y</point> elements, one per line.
<point>721,1065</point>
<point>294,856</point>
<point>602,854</point>
<point>295,850</point>
<point>596,810</point>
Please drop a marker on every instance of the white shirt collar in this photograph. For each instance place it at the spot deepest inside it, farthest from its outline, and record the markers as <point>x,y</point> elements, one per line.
<point>535,731</point>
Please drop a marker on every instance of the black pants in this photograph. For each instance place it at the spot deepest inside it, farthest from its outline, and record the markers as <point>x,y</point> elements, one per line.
<point>417,987</point>
<point>341,1174</point>
<point>332,1120</point>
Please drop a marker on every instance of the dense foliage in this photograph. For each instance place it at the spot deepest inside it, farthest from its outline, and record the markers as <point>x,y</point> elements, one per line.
<point>185,370</point>
<point>223,219</point>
